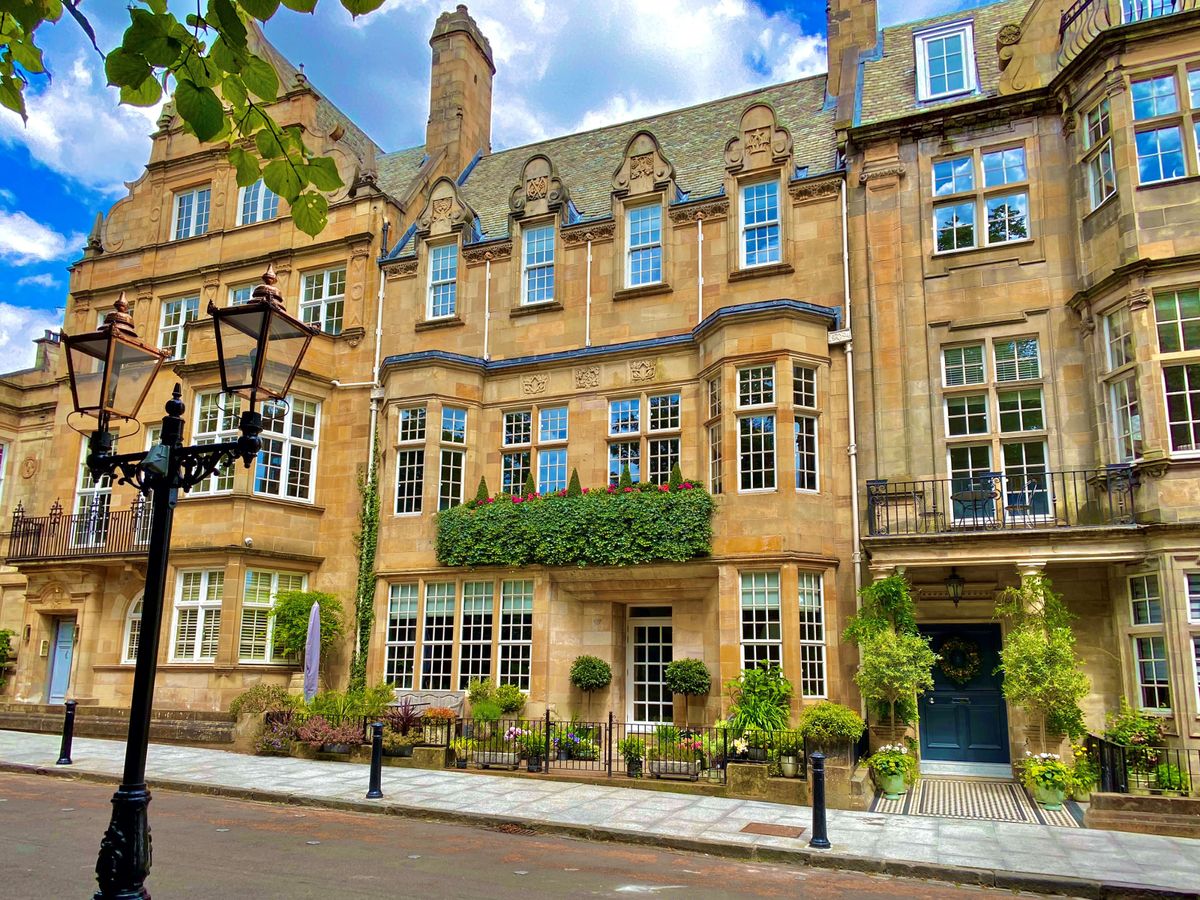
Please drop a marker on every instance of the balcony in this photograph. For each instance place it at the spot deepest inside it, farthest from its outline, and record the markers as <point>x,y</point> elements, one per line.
<point>1084,20</point>
<point>96,531</point>
<point>993,502</point>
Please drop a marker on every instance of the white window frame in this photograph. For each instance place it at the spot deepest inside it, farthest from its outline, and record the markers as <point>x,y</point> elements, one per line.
<point>207,609</point>
<point>291,445</point>
<point>983,365</point>
<point>1101,172</point>
<point>321,303</point>
<point>745,228</point>
<point>759,591</point>
<point>966,31</point>
<point>632,248</point>
<point>411,423</point>
<point>813,635</point>
<point>716,440</point>
<point>1191,388</point>
<point>1137,670</point>
<point>476,629</point>
<point>1125,418</point>
<point>745,469</point>
<point>752,379</point>
<point>442,277</point>
<point>527,234</point>
<point>400,641</point>
<point>440,606</point>
<point>516,633</point>
<point>807,428</point>
<point>967,414</point>
<point>172,335</point>
<point>193,221</point>
<point>257,203</point>
<point>295,581</point>
<point>131,635</point>
<point>451,460</point>
<point>241,294</point>
<point>226,409</point>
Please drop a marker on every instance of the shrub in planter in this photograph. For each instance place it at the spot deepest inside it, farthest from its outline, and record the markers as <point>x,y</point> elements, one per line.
<point>480,691</point>
<point>291,613</point>
<point>1084,774</point>
<point>533,748</point>
<point>633,751</point>
<point>344,737</point>
<point>761,700</point>
<point>590,674</point>
<point>689,677</point>
<point>314,732</point>
<point>1048,777</point>
<point>397,743</point>
<point>790,745</point>
<point>1169,777</point>
<point>510,699</point>
<point>830,726</point>
<point>275,739</point>
<point>1142,735</point>
<point>436,724</point>
<point>894,769</point>
<point>402,718</point>
<point>261,698</point>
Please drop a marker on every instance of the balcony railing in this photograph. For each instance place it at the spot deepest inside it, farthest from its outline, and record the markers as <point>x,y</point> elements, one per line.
<point>995,501</point>
<point>1084,20</point>
<point>94,531</point>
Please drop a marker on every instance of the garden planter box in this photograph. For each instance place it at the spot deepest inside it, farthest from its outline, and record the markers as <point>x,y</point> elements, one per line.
<point>488,758</point>
<point>436,735</point>
<point>675,767</point>
<point>405,751</point>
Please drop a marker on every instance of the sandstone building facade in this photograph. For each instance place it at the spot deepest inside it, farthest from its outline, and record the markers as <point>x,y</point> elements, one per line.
<point>936,311</point>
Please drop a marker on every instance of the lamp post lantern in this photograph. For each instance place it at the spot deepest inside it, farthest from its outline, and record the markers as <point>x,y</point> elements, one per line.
<point>259,349</point>
<point>954,586</point>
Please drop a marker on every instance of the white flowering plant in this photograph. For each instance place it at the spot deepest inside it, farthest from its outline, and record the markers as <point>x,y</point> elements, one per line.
<point>894,759</point>
<point>1045,770</point>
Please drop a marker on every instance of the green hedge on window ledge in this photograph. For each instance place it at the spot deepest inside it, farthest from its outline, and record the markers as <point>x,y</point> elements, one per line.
<point>601,527</point>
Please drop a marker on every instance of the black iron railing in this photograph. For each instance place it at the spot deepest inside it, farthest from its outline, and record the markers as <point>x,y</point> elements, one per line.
<point>96,530</point>
<point>1157,770</point>
<point>1084,20</point>
<point>995,501</point>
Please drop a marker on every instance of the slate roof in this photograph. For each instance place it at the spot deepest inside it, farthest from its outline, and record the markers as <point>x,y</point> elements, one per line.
<point>693,139</point>
<point>889,85</point>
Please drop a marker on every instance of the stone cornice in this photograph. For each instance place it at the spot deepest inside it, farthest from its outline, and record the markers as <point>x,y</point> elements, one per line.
<point>492,250</point>
<point>1122,274</point>
<point>603,230</point>
<point>815,188</point>
<point>876,173</point>
<point>686,213</point>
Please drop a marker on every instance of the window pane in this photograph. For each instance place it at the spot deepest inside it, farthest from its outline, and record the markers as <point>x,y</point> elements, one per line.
<point>552,424</point>
<point>963,365</point>
<point>1160,154</point>
<point>539,264</point>
<point>1004,167</point>
<point>1153,97</point>
<point>1008,218</point>
<point>1182,388</point>
<point>756,386</point>
<point>954,226</point>
<point>950,176</point>
<point>756,452</point>
<point>966,414</point>
<point>1177,315</point>
<point>1017,360</point>
<point>760,223</point>
<point>624,416</point>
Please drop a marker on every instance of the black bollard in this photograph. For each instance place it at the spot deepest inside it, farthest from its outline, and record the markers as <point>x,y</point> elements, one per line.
<point>64,752</point>
<point>375,791</point>
<point>820,832</point>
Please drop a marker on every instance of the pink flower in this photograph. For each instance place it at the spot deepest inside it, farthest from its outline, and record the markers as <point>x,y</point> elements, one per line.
<point>610,489</point>
<point>516,499</point>
<point>663,487</point>
<point>585,490</point>
<point>687,485</point>
<point>629,490</point>
<point>491,499</point>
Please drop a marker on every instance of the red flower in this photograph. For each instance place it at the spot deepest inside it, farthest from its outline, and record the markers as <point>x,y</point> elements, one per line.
<point>516,499</point>
<point>585,490</point>
<point>663,487</point>
<point>610,489</point>
<point>629,490</point>
<point>491,499</point>
<point>687,485</point>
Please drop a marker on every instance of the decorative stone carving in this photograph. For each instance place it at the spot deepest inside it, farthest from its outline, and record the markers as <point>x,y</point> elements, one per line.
<point>878,173</point>
<point>29,466</point>
<point>1008,35</point>
<point>1087,322</point>
<point>497,250</point>
<point>539,191</point>
<point>1139,298</point>
<point>445,210</point>
<point>814,191</point>
<point>643,168</point>
<point>587,377</point>
<point>600,231</point>
<point>534,384</point>
<point>761,142</point>
<point>714,209</point>
<point>643,370</point>
<point>401,269</point>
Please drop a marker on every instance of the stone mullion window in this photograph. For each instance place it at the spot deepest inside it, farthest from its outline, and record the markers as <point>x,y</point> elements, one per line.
<point>760,618</point>
<point>437,640</point>
<point>552,435</point>
<point>663,422</point>
<point>756,391</point>
<point>644,251</point>
<point>443,281</point>
<point>812,636</point>
<point>1165,106</point>
<point>1146,635</point>
<point>401,637</point>
<point>452,457</point>
<point>714,432</point>
<point>172,329</point>
<point>516,455</point>
<point>761,240</point>
<point>256,637</point>
<point>217,419</point>
<point>257,203</point>
<point>1177,321</point>
<point>475,635</point>
<point>322,299</point>
<point>1097,160</point>
<point>410,461</point>
<point>537,264</point>
<point>516,633</point>
<point>190,212</point>
<point>196,624</point>
<point>981,199</point>
<point>287,464</point>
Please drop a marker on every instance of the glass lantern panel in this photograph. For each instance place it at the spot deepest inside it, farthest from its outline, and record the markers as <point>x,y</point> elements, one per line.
<point>285,346</point>
<point>86,355</point>
<point>133,369</point>
<point>238,334</point>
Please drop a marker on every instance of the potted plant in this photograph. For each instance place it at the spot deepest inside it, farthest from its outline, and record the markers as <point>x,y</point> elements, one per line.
<point>894,769</point>
<point>1084,774</point>
<point>396,743</point>
<point>1169,778</point>
<point>533,748</point>
<point>1048,777</point>
<point>590,674</point>
<point>830,727</point>
<point>462,747</point>
<point>681,757</point>
<point>403,719</point>
<point>343,737</point>
<point>761,700</point>
<point>689,677</point>
<point>587,750</point>
<point>436,725</point>
<point>502,749</point>
<point>510,699</point>
<point>633,751</point>
<point>791,749</point>
<point>756,746</point>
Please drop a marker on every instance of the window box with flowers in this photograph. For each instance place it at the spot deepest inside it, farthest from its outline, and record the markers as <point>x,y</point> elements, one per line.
<point>609,526</point>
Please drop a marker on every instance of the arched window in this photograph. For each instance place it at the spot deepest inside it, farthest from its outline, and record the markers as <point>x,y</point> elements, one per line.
<point>133,632</point>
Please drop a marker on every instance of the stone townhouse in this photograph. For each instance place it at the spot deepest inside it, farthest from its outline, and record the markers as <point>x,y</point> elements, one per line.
<point>974,234</point>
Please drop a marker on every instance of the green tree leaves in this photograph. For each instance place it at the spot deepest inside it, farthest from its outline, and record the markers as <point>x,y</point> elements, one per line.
<point>220,87</point>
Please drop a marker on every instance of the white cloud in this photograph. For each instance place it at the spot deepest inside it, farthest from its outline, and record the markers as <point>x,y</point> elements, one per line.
<point>76,128</point>
<point>19,327</point>
<point>24,240</point>
<point>46,280</point>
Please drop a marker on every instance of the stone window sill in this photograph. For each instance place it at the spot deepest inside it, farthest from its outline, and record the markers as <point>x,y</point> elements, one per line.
<point>761,271</point>
<point>645,290</point>
<point>534,308</point>
<point>434,324</point>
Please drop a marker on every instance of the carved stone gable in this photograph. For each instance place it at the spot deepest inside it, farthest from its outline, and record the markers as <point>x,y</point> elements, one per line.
<point>643,168</point>
<point>761,142</point>
<point>539,191</point>
<point>445,210</point>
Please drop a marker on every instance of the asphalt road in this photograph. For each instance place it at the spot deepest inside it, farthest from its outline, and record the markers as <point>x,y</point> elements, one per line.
<point>206,847</point>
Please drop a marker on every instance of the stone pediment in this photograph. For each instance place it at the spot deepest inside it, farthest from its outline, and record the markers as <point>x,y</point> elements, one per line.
<point>540,190</point>
<point>643,169</point>
<point>761,142</point>
<point>445,210</point>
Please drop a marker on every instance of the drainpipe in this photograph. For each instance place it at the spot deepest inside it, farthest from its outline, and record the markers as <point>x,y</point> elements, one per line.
<point>699,269</point>
<point>852,447</point>
<point>587,315</point>
<point>487,305</point>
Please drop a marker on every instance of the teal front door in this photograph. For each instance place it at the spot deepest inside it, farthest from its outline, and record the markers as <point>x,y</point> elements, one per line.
<point>963,719</point>
<point>60,659</point>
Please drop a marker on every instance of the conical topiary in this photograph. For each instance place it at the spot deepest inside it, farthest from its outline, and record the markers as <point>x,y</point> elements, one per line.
<point>676,478</point>
<point>530,485</point>
<point>626,478</point>
<point>573,488</point>
<point>482,494</point>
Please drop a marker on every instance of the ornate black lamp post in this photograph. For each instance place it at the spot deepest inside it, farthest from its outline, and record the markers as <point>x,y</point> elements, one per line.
<point>259,349</point>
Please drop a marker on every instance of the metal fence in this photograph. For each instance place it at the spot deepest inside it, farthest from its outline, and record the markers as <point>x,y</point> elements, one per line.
<point>1157,770</point>
<point>996,501</point>
<point>94,531</point>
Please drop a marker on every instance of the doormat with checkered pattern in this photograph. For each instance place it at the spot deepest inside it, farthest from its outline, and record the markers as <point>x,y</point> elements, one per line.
<point>998,801</point>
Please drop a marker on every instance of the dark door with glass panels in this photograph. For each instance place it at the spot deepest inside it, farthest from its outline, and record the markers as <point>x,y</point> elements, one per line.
<point>650,652</point>
<point>963,719</point>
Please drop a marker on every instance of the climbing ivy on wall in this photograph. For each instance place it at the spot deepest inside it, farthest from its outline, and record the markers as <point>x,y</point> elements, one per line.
<point>367,541</point>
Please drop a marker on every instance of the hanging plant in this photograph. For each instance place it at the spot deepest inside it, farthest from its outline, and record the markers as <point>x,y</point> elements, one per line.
<point>960,660</point>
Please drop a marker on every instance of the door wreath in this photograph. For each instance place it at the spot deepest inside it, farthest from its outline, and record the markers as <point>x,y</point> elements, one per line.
<point>960,660</point>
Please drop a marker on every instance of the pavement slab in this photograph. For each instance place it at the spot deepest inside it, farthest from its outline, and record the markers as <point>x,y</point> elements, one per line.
<point>1018,855</point>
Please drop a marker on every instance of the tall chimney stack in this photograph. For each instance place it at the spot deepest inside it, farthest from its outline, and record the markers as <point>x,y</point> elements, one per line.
<point>460,91</point>
<point>853,27</point>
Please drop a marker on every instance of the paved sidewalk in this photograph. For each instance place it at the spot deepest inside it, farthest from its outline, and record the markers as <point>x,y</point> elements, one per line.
<point>1023,857</point>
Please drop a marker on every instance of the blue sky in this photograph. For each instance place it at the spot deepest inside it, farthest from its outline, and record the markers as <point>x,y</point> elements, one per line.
<point>561,66</point>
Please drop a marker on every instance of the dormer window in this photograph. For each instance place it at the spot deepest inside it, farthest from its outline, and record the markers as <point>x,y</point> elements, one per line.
<point>644,256</point>
<point>258,204</point>
<point>760,224</point>
<point>537,265</point>
<point>443,281</point>
<point>945,61</point>
<point>190,213</point>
